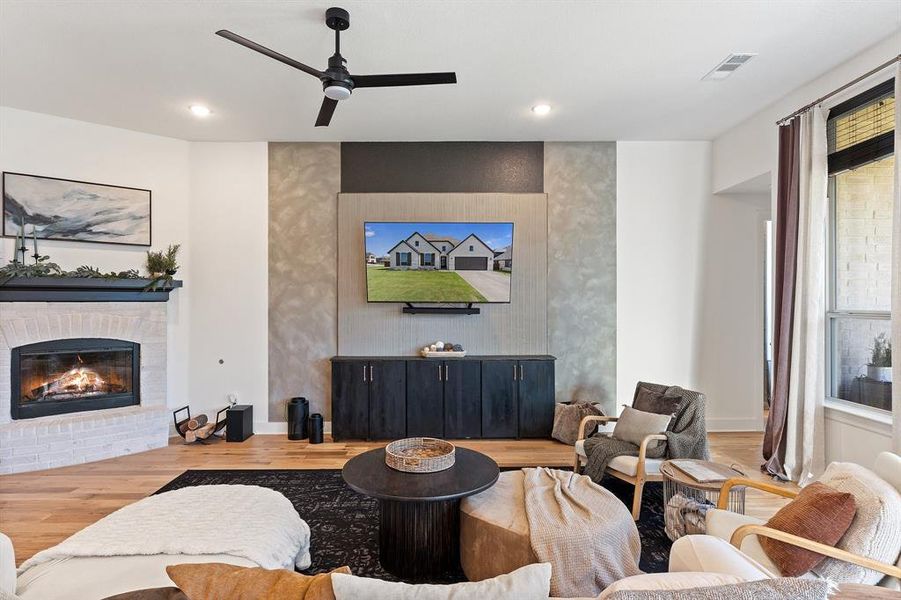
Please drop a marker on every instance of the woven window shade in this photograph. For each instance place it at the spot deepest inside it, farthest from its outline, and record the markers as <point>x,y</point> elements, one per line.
<point>861,124</point>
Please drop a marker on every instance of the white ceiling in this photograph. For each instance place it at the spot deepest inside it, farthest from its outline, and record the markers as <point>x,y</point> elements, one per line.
<point>612,70</point>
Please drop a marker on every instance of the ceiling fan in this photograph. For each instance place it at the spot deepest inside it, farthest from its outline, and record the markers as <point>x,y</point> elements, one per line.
<point>337,82</point>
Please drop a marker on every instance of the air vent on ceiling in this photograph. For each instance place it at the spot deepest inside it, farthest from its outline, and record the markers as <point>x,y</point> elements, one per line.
<point>728,66</point>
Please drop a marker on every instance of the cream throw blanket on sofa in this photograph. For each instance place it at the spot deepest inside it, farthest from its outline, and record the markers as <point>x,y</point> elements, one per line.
<point>584,531</point>
<point>249,521</point>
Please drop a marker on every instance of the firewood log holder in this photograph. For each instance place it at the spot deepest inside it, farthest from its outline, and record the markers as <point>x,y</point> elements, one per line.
<point>220,422</point>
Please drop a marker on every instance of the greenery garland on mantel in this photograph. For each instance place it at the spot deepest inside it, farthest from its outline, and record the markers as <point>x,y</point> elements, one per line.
<point>161,267</point>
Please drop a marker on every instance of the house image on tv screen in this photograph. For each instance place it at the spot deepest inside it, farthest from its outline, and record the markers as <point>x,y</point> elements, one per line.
<point>429,252</point>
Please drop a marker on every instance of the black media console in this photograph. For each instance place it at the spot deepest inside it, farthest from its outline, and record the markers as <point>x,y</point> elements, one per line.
<point>388,397</point>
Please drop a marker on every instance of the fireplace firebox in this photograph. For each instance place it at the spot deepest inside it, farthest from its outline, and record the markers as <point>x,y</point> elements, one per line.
<point>73,375</point>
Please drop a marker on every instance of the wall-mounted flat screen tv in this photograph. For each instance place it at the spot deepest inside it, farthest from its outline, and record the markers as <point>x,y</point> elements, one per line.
<point>438,262</point>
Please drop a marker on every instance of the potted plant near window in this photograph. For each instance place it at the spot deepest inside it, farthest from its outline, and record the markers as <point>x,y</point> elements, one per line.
<point>880,365</point>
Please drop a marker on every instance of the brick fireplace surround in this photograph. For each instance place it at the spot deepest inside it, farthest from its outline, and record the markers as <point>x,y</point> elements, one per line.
<point>61,440</point>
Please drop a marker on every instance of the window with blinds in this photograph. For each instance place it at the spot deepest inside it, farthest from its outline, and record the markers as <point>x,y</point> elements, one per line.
<point>861,130</point>
<point>859,268</point>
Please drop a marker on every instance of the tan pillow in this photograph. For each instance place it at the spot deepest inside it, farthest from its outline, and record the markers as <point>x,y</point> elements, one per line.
<point>819,513</point>
<point>219,581</point>
<point>634,425</point>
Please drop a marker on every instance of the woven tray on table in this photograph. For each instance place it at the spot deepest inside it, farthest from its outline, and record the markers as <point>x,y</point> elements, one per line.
<point>420,455</point>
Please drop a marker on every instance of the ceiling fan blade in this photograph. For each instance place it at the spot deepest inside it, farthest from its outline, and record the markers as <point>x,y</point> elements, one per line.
<point>364,81</point>
<point>325,112</point>
<point>270,53</point>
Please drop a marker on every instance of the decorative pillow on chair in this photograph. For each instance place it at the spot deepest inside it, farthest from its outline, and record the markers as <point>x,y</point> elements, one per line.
<point>219,581</point>
<point>634,425</point>
<point>820,514</point>
<point>875,531</point>
<point>661,403</point>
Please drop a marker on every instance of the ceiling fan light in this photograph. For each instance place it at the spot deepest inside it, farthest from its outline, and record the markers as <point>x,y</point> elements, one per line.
<point>337,92</point>
<point>541,109</point>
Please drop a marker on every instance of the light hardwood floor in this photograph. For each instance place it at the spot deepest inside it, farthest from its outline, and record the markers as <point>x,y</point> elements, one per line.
<point>39,509</point>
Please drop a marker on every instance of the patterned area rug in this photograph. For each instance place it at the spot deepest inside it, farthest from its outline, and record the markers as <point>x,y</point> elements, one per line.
<point>344,524</point>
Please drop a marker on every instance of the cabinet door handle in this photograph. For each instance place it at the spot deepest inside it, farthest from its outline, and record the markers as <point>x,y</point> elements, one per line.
<point>514,371</point>
<point>445,372</point>
<point>364,373</point>
<point>370,374</point>
<point>520,372</point>
<point>439,372</point>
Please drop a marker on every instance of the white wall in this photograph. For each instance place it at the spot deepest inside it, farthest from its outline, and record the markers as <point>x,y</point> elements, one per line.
<point>662,197</point>
<point>689,282</point>
<point>46,145</point>
<point>229,248</point>
<point>732,311</point>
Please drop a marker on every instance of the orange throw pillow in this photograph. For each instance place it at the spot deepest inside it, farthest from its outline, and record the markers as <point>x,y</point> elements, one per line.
<point>819,513</point>
<point>219,581</point>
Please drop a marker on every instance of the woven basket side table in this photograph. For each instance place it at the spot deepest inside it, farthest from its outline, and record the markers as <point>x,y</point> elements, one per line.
<point>677,482</point>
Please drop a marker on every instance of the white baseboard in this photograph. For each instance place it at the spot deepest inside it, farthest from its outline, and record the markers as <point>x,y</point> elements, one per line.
<point>743,424</point>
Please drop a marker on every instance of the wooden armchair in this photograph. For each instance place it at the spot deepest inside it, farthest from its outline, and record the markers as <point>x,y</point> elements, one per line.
<point>740,533</point>
<point>640,469</point>
<point>631,469</point>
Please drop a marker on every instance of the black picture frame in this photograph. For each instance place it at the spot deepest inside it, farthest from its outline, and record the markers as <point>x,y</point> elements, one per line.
<point>12,234</point>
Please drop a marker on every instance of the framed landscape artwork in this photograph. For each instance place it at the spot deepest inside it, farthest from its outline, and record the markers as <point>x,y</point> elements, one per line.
<point>75,211</point>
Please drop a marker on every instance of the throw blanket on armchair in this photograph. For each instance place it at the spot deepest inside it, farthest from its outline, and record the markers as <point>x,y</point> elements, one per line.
<point>249,521</point>
<point>584,532</point>
<point>686,437</point>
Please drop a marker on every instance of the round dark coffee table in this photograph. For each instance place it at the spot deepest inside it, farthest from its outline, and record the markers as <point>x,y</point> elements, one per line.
<point>419,513</point>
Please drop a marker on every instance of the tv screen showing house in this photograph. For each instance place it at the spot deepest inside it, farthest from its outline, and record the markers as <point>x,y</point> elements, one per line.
<point>438,262</point>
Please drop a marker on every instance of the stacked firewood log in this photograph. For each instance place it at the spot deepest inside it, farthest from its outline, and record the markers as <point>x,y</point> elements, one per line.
<point>197,428</point>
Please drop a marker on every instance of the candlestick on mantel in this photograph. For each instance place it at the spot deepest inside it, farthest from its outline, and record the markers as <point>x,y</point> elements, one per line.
<point>23,248</point>
<point>34,237</point>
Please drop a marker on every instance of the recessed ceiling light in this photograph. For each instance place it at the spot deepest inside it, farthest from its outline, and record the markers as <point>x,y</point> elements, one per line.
<point>200,110</point>
<point>541,109</point>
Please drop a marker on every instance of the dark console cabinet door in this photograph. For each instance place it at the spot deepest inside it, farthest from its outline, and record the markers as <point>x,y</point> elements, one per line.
<point>499,412</point>
<point>425,398</point>
<point>350,400</point>
<point>387,399</point>
<point>462,399</point>
<point>536,398</point>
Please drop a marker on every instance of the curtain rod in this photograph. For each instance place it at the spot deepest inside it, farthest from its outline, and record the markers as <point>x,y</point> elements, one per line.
<point>838,90</point>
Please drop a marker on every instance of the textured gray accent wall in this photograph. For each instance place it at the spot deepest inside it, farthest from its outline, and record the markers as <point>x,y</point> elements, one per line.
<point>304,180</point>
<point>519,327</point>
<point>580,181</point>
<point>509,167</point>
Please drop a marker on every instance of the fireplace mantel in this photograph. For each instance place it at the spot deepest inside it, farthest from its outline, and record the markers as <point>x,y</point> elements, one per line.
<point>83,289</point>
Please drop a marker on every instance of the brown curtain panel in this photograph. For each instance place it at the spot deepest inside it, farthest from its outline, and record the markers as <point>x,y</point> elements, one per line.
<point>786,261</point>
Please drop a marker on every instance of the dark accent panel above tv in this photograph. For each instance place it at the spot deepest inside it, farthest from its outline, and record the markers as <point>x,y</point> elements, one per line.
<point>468,167</point>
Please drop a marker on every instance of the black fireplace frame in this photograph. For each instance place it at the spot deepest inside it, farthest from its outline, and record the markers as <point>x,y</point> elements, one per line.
<point>61,407</point>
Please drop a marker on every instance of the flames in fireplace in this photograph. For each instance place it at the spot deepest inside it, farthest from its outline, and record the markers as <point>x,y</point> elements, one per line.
<point>72,375</point>
<point>80,381</point>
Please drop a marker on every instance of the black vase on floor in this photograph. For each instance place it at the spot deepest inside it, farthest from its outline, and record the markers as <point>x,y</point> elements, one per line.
<point>315,428</point>
<point>298,411</point>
